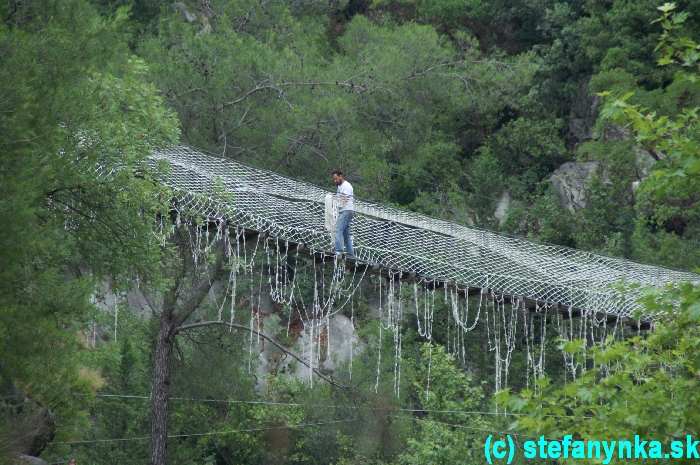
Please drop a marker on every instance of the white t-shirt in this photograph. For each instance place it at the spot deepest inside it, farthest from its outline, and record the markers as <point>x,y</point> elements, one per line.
<point>345,197</point>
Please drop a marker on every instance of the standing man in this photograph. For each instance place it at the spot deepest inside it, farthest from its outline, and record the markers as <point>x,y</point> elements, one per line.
<point>347,209</point>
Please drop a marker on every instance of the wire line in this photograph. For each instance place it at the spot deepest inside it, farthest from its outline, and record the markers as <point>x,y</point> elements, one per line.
<point>209,433</point>
<point>330,406</point>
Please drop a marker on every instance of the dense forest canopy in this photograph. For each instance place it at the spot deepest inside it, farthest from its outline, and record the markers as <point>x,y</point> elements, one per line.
<point>566,122</point>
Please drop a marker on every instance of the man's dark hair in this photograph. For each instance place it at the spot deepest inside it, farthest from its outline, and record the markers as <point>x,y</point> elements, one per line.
<point>337,172</point>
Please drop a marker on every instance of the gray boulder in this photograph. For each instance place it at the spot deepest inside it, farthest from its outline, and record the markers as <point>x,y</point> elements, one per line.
<point>570,182</point>
<point>644,162</point>
<point>29,460</point>
<point>186,14</point>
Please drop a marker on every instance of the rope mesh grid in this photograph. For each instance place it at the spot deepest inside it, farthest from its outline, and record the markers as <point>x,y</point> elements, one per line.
<point>409,242</point>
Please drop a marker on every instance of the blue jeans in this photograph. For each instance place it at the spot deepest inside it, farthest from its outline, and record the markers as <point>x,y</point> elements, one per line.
<point>342,232</point>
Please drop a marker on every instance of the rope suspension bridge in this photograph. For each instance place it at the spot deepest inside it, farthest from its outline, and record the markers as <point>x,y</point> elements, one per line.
<point>408,242</point>
<point>511,288</point>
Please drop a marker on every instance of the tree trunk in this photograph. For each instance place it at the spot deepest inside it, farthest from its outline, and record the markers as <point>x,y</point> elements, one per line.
<point>175,312</point>
<point>161,389</point>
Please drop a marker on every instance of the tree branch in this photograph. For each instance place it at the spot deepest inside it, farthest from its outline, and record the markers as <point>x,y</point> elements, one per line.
<point>354,87</point>
<point>200,292</point>
<point>264,336</point>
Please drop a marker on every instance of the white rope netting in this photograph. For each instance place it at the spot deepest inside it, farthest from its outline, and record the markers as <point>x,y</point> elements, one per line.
<point>407,242</point>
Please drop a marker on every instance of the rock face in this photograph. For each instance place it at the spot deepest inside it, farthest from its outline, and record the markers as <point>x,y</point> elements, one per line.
<point>337,341</point>
<point>29,460</point>
<point>583,114</point>
<point>329,346</point>
<point>570,181</point>
<point>107,299</point>
<point>644,162</point>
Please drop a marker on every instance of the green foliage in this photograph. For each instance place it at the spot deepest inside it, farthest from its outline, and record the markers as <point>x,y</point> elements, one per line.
<point>388,106</point>
<point>442,388</point>
<point>673,46</point>
<point>530,148</point>
<point>514,26</point>
<point>541,217</point>
<point>607,222</point>
<point>527,151</point>
<point>450,388</point>
<point>485,177</point>
<point>604,403</point>
<point>667,199</point>
<point>74,102</point>
<point>124,364</point>
<point>660,367</point>
<point>673,139</point>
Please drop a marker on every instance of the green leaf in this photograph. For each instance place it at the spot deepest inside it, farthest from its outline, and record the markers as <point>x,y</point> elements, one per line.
<point>667,7</point>
<point>694,311</point>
